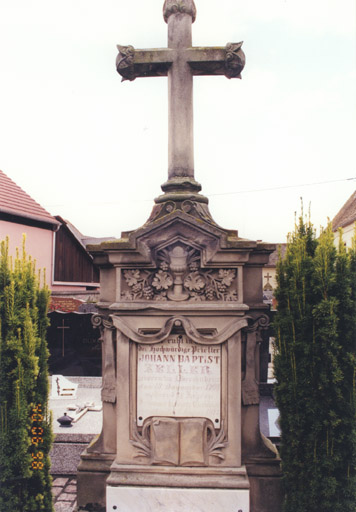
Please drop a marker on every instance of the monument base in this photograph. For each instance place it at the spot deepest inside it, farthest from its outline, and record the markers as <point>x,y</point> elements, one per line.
<point>175,499</point>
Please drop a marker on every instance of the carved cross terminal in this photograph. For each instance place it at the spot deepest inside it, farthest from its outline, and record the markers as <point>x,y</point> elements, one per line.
<point>180,61</point>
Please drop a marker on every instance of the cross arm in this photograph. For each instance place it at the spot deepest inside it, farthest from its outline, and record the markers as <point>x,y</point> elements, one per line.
<point>228,60</point>
<point>131,63</point>
<point>219,60</point>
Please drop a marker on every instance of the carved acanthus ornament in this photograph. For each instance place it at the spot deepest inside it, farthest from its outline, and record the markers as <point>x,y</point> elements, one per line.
<point>214,442</point>
<point>179,277</point>
<point>125,62</point>
<point>179,6</point>
<point>217,442</point>
<point>234,60</point>
<point>194,209</point>
<point>141,440</point>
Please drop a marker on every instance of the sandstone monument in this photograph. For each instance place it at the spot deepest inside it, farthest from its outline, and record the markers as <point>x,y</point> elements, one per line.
<point>181,316</point>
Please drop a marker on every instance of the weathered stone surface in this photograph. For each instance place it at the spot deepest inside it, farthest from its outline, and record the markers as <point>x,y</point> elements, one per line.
<point>66,457</point>
<point>67,497</point>
<point>71,489</point>
<point>56,491</point>
<point>62,506</point>
<point>60,482</point>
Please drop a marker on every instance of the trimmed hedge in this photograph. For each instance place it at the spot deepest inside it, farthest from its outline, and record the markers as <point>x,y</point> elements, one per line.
<point>25,422</point>
<point>315,369</point>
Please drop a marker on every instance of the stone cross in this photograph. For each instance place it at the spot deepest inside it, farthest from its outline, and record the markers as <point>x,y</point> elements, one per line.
<point>268,277</point>
<point>180,61</point>
<point>63,327</point>
<point>82,409</point>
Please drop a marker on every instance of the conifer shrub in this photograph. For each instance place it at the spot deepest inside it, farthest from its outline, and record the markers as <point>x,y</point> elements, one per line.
<point>25,422</point>
<point>315,371</point>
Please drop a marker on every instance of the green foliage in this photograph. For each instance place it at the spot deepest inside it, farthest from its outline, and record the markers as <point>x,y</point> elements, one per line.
<point>25,440</point>
<point>315,369</point>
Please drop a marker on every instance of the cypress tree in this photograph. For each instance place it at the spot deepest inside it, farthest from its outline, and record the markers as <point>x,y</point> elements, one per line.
<point>25,423</point>
<point>315,371</point>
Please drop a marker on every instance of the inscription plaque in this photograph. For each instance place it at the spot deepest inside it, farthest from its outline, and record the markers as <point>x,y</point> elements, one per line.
<point>179,378</point>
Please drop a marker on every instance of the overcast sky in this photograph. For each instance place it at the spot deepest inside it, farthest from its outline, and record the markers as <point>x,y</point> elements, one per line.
<point>94,150</point>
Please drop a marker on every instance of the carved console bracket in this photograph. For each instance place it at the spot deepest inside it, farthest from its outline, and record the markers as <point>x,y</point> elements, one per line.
<point>180,322</point>
<point>102,322</point>
<point>257,324</point>
<point>250,388</point>
<point>107,328</point>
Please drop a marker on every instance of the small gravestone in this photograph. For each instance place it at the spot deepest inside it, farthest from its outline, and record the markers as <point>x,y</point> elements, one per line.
<point>63,388</point>
<point>181,313</point>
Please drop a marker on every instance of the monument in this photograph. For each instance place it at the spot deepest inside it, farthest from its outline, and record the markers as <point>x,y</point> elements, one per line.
<point>181,316</point>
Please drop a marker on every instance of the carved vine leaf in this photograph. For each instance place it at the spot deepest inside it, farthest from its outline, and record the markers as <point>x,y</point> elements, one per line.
<point>162,280</point>
<point>198,284</point>
<point>194,282</point>
<point>226,276</point>
<point>137,281</point>
<point>217,442</point>
<point>132,277</point>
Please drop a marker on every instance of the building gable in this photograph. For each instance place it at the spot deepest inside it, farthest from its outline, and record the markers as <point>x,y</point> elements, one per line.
<point>72,262</point>
<point>347,214</point>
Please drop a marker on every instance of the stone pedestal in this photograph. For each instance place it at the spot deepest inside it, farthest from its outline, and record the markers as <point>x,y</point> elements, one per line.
<point>181,316</point>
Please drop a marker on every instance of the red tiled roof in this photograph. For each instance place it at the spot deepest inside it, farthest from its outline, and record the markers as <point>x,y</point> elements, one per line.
<point>347,214</point>
<point>65,304</point>
<point>14,201</point>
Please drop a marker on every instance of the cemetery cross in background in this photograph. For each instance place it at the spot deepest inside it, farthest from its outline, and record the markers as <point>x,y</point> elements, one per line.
<point>180,61</point>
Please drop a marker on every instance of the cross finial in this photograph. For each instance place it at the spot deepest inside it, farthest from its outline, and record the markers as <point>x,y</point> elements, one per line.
<point>179,6</point>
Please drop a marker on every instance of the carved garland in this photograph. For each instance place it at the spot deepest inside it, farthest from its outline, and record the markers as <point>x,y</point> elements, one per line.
<point>180,278</point>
